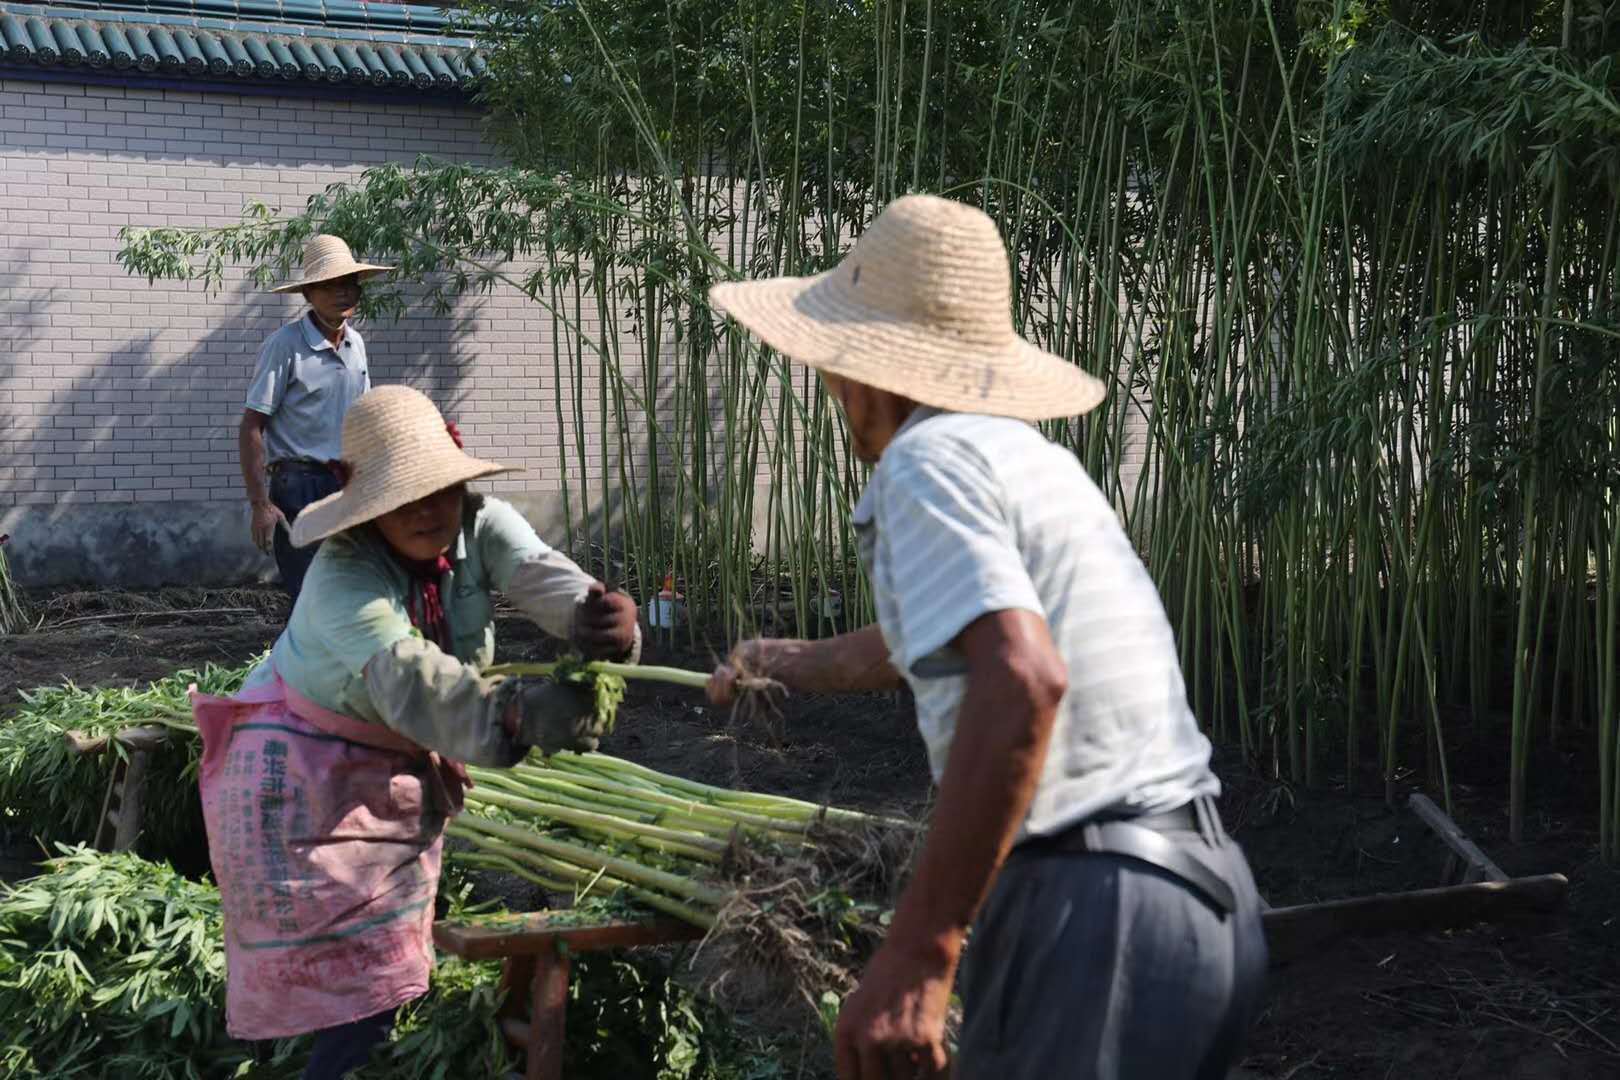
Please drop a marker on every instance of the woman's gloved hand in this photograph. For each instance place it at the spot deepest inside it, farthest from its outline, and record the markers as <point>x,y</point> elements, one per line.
<point>605,624</point>
<point>552,716</point>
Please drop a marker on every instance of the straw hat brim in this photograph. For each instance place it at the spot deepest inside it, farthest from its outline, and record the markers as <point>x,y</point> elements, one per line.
<point>364,270</point>
<point>372,494</point>
<point>814,322</point>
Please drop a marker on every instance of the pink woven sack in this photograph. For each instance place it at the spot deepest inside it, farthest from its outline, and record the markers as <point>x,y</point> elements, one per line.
<point>325,835</point>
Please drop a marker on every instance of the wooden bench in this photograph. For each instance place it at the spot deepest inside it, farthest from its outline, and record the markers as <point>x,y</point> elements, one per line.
<point>123,808</point>
<point>534,951</point>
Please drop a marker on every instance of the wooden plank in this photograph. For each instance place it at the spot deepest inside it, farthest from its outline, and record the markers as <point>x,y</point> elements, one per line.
<point>1293,931</point>
<point>536,933</point>
<point>516,975</point>
<point>142,738</point>
<point>132,738</point>
<point>80,743</point>
<point>1481,867</point>
<point>107,823</point>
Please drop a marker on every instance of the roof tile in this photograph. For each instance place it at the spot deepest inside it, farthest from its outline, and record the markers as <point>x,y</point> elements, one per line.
<point>331,41</point>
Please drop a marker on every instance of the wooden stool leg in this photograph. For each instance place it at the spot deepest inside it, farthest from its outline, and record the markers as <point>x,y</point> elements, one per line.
<point>548,999</point>
<point>111,808</point>
<point>132,806</point>
<point>517,972</point>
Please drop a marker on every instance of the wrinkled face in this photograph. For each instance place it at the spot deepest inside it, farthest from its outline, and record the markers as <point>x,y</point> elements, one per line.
<point>426,528</point>
<point>335,300</point>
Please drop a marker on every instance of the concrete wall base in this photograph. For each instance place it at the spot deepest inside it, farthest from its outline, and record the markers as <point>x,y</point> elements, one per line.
<point>146,545</point>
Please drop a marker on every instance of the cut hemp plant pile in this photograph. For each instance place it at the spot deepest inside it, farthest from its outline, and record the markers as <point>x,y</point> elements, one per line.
<point>112,966</point>
<point>794,895</point>
<point>56,793</point>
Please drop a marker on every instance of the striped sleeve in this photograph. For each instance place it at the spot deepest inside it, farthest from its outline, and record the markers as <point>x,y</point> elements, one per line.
<point>951,551</point>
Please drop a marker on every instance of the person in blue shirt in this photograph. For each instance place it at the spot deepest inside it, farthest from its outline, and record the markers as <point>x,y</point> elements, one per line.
<point>309,372</point>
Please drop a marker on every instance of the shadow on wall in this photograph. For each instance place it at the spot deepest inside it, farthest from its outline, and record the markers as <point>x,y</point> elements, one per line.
<point>140,453</point>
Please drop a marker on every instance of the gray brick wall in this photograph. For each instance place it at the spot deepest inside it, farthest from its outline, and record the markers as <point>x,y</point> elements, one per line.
<point>113,390</point>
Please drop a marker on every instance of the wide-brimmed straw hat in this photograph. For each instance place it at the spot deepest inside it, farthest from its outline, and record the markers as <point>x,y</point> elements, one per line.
<point>921,307</point>
<point>326,258</point>
<point>396,449</point>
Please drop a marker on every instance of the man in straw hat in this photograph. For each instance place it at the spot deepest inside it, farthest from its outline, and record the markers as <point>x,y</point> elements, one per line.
<point>1115,927</point>
<point>327,780</point>
<point>309,373</point>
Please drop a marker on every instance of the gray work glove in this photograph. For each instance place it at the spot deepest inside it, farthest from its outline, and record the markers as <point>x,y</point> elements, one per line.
<point>553,716</point>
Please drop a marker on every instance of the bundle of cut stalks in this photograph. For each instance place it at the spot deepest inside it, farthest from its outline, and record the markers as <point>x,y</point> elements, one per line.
<point>793,894</point>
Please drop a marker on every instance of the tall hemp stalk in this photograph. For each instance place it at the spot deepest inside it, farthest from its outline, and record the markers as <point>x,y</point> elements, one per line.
<point>1350,283</point>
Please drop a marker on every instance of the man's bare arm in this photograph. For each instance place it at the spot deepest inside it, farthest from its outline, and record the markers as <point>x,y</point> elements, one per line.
<point>849,663</point>
<point>1016,679</point>
<point>250,449</point>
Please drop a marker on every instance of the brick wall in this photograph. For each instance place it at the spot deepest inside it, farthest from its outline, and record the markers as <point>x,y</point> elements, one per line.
<point>116,393</point>
<point>114,390</point>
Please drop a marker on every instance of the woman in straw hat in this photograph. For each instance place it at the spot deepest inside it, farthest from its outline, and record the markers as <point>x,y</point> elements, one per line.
<point>327,780</point>
<point>309,373</point>
<point>1115,927</point>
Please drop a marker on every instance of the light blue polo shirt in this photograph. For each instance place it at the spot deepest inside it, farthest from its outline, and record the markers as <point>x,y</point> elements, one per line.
<point>305,385</point>
<point>966,515</point>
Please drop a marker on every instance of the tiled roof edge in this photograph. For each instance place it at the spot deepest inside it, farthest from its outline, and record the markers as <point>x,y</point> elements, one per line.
<point>137,43</point>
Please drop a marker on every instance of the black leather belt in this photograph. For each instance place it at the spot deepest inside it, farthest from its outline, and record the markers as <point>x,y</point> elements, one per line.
<point>297,465</point>
<point>1144,838</point>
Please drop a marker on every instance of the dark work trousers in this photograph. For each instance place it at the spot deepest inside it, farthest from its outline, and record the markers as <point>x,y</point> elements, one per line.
<point>293,486</point>
<point>1090,965</point>
<point>346,1047</point>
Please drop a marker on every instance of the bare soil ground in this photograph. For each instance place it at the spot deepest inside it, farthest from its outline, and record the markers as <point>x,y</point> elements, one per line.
<point>1538,1001</point>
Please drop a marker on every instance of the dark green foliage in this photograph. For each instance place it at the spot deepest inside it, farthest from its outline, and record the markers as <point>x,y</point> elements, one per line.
<point>56,795</point>
<point>111,966</point>
<point>629,1020</point>
<point>114,967</point>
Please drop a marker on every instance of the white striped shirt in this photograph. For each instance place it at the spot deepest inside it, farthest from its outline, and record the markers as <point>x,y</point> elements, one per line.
<point>966,515</point>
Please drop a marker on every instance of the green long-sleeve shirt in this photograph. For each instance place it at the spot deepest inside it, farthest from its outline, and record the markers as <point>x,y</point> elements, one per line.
<point>352,614</point>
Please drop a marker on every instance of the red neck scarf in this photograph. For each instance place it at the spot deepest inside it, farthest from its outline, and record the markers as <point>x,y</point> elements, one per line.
<point>423,604</point>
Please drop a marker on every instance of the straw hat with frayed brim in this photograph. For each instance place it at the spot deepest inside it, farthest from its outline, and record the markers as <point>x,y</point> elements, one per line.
<point>921,307</point>
<point>396,450</point>
<point>327,258</point>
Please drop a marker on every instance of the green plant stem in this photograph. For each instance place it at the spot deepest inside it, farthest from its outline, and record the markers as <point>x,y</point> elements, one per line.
<point>652,837</point>
<point>632,672</point>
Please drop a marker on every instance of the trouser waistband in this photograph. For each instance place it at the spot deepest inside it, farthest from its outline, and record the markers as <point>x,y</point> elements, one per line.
<point>1150,838</point>
<point>297,465</point>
